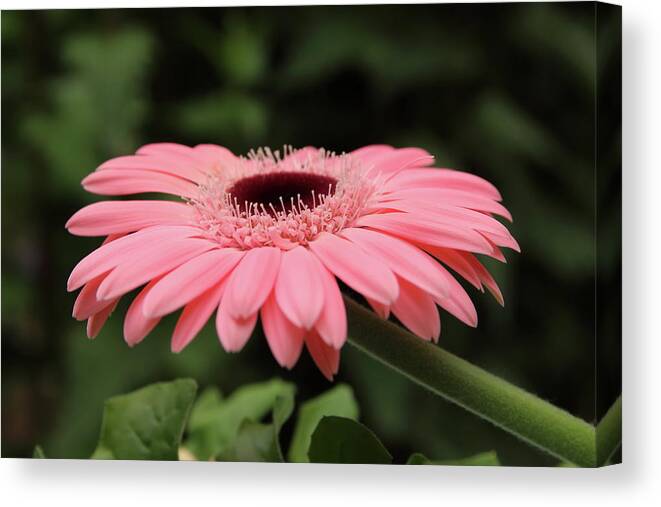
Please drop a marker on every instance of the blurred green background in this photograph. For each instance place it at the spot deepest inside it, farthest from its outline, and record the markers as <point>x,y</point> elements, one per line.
<point>503,90</point>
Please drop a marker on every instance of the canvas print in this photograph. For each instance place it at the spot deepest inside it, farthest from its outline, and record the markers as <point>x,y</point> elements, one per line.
<point>385,234</point>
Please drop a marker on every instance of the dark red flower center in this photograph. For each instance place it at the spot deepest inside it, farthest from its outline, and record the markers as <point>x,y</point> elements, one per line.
<point>271,190</point>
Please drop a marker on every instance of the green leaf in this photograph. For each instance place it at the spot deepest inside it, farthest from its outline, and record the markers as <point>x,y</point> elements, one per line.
<point>38,453</point>
<point>255,442</point>
<point>258,442</point>
<point>489,458</point>
<point>338,401</point>
<point>342,440</point>
<point>147,423</point>
<point>215,423</point>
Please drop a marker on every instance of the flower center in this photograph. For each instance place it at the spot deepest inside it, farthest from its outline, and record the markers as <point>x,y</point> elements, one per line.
<point>284,201</point>
<point>281,191</point>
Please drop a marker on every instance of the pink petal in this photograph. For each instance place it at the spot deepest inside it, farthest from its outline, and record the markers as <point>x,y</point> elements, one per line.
<point>332,322</point>
<point>486,278</point>
<point>416,229</point>
<point>447,214</point>
<point>218,157</point>
<point>189,280</point>
<point>164,148</point>
<point>119,182</point>
<point>118,217</point>
<point>504,240</point>
<point>458,303</point>
<point>136,324</point>
<point>324,356</point>
<point>417,311</point>
<point>447,196</point>
<point>391,163</point>
<point>176,152</point>
<point>160,164</point>
<point>129,275</point>
<point>370,150</point>
<point>95,322</point>
<point>406,260</point>
<point>381,310</point>
<point>126,249</point>
<point>297,288</point>
<point>497,254</point>
<point>284,338</point>
<point>251,282</point>
<point>458,262</point>
<point>443,178</point>
<point>233,332</point>
<point>364,274</point>
<point>195,316</point>
<point>87,303</point>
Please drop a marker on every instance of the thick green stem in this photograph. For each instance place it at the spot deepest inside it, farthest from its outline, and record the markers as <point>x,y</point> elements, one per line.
<point>609,433</point>
<point>532,419</point>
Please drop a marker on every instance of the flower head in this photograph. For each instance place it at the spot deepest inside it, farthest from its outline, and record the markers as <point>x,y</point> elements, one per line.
<point>270,234</point>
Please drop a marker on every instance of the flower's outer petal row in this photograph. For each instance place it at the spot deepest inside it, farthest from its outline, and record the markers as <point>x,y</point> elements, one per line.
<point>466,265</point>
<point>416,309</point>
<point>216,157</point>
<point>284,338</point>
<point>118,182</point>
<point>446,218</point>
<point>446,214</point>
<point>389,164</point>
<point>251,282</point>
<point>371,150</point>
<point>326,358</point>
<point>297,288</point>
<point>459,198</point>
<point>136,324</point>
<point>416,229</point>
<point>457,262</point>
<point>443,179</point>
<point>180,153</point>
<point>87,304</point>
<point>406,260</point>
<point>458,302</point>
<point>354,267</point>
<point>189,280</point>
<point>122,217</point>
<point>157,164</point>
<point>126,249</point>
<point>195,315</point>
<point>130,275</point>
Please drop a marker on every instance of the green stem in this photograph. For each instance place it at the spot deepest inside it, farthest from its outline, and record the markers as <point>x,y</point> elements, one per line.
<point>609,433</point>
<point>532,419</point>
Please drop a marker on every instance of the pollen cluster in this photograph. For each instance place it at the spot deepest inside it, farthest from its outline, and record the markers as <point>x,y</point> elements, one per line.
<point>282,200</point>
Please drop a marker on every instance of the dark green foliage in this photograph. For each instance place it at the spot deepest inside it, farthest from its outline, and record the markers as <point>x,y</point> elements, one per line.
<point>479,460</point>
<point>342,440</point>
<point>147,423</point>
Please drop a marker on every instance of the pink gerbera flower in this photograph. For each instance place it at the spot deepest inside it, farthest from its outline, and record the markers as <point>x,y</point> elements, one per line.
<point>269,234</point>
